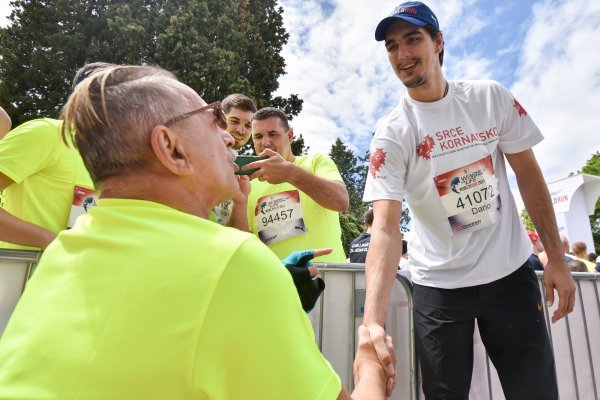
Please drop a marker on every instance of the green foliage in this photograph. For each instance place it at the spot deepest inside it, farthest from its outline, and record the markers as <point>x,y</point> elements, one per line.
<point>592,167</point>
<point>527,220</point>
<point>217,47</point>
<point>351,228</point>
<point>350,168</point>
<point>354,172</point>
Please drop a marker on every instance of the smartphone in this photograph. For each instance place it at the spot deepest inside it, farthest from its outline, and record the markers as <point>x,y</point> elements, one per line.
<point>243,160</point>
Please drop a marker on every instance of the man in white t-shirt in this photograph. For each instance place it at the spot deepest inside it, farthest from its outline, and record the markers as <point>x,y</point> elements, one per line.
<point>443,149</point>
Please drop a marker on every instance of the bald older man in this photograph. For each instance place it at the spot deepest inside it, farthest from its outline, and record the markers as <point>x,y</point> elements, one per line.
<point>145,298</point>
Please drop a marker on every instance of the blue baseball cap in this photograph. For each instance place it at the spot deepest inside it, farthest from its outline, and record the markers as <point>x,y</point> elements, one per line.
<point>413,12</point>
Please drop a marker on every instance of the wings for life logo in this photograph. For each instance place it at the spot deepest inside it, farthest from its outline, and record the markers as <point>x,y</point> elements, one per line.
<point>376,161</point>
<point>520,109</point>
<point>424,148</point>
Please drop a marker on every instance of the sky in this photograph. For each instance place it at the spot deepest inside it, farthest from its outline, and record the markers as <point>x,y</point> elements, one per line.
<point>546,52</point>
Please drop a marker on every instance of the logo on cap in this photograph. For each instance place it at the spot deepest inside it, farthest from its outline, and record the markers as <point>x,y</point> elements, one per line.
<point>407,10</point>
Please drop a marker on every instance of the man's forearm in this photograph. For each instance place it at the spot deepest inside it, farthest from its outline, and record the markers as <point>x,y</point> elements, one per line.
<point>17,231</point>
<point>536,199</point>
<point>239,217</point>
<point>383,256</point>
<point>332,195</point>
<point>381,267</point>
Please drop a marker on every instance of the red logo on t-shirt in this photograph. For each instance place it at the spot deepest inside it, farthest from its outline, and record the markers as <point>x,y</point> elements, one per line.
<point>425,147</point>
<point>376,160</point>
<point>520,109</point>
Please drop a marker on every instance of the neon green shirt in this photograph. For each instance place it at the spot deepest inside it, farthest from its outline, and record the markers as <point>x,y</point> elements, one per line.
<point>141,301</point>
<point>45,172</point>
<point>286,219</point>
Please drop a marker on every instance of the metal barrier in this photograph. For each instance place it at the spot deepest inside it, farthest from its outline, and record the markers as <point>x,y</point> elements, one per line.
<point>16,267</point>
<point>339,313</point>
<point>575,338</point>
<point>575,343</point>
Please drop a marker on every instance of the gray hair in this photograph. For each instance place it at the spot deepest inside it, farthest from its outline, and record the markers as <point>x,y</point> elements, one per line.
<point>110,115</point>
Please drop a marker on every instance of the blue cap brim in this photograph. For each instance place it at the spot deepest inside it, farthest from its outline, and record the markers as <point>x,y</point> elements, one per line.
<point>381,30</point>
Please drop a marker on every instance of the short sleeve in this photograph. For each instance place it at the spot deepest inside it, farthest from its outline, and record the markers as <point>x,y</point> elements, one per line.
<point>28,148</point>
<point>256,340</point>
<point>387,169</point>
<point>517,130</point>
<point>325,168</point>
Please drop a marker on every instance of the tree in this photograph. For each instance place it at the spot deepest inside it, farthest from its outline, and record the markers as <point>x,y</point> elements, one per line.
<point>592,167</point>
<point>351,221</point>
<point>349,166</point>
<point>217,47</point>
<point>354,171</point>
<point>527,220</point>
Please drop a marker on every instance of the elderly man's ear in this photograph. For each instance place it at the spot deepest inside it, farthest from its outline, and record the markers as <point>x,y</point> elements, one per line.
<point>169,149</point>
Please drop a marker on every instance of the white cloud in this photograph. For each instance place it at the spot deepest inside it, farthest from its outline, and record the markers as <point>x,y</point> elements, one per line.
<point>342,73</point>
<point>5,10</point>
<point>558,82</point>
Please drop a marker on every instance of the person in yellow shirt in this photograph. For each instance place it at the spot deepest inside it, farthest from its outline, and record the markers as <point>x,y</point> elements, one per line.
<point>145,298</point>
<point>239,110</point>
<point>43,181</point>
<point>5,123</point>
<point>580,251</point>
<point>294,201</point>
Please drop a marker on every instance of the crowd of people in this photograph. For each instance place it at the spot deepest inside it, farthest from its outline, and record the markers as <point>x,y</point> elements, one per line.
<point>184,275</point>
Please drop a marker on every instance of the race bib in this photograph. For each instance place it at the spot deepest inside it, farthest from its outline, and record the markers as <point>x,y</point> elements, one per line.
<point>223,212</point>
<point>279,217</point>
<point>470,196</point>
<point>83,200</point>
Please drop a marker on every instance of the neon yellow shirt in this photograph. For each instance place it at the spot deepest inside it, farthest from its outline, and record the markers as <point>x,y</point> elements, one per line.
<point>45,172</point>
<point>141,301</point>
<point>319,227</point>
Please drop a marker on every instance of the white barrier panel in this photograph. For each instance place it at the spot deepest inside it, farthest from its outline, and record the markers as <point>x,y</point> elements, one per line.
<point>15,269</point>
<point>575,342</point>
<point>574,339</point>
<point>343,306</point>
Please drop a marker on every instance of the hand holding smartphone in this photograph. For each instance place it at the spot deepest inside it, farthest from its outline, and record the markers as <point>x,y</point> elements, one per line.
<point>243,160</point>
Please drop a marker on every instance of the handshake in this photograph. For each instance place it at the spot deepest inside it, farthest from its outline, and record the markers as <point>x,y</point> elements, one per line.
<point>375,360</point>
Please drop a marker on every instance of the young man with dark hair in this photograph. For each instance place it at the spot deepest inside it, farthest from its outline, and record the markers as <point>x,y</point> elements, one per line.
<point>443,149</point>
<point>295,201</point>
<point>239,110</point>
<point>45,182</point>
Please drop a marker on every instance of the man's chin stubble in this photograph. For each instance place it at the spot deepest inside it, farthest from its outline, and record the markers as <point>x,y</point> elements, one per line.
<point>415,82</point>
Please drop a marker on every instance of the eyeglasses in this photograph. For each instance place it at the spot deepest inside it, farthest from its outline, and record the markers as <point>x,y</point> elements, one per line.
<point>217,111</point>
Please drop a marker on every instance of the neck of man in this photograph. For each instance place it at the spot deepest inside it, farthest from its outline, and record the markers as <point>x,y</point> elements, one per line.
<point>289,156</point>
<point>434,89</point>
<point>161,189</point>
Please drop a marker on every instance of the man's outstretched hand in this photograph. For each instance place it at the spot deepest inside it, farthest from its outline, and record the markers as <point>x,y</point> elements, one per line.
<point>368,360</point>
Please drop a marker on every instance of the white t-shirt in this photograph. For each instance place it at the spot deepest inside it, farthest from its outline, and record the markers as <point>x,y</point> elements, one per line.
<point>446,159</point>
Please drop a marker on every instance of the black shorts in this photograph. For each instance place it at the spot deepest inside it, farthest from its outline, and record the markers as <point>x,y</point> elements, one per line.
<point>510,317</point>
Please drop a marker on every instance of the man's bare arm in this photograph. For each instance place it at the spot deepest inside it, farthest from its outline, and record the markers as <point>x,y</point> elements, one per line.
<point>382,261</point>
<point>332,195</point>
<point>536,198</point>
<point>15,230</point>
<point>5,123</point>
<point>239,211</point>
<point>369,376</point>
<point>383,257</point>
